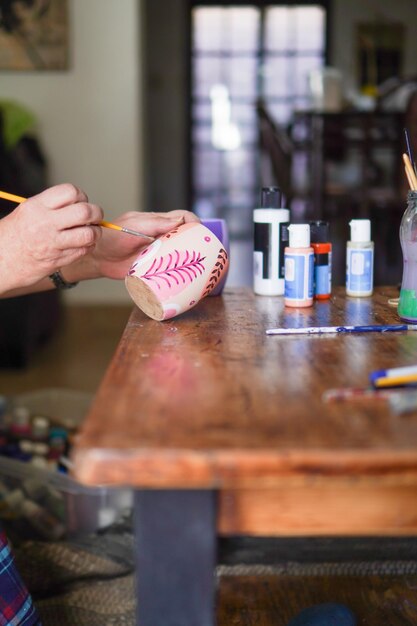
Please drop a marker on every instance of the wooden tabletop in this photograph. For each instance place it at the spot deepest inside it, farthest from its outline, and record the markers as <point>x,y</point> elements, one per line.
<point>208,400</point>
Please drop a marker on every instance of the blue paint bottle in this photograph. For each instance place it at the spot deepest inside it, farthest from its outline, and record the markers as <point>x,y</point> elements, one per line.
<point>299,267</point>
<point>319,235</point>
<point>360,259</point>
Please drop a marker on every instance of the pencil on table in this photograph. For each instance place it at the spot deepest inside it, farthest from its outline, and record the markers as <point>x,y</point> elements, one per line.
<point>13,198</point>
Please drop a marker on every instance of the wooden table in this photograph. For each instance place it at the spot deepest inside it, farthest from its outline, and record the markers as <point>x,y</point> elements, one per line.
<point>222,430</point>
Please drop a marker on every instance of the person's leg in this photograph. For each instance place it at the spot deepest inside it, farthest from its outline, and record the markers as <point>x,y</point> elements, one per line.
<point>16,607</point>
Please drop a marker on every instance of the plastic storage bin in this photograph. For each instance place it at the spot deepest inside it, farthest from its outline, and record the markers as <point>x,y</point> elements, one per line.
<point>37,502</point>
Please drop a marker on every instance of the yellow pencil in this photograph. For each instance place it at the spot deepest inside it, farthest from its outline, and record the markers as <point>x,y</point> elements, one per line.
<point>13,198</point>
<point>396,381</point>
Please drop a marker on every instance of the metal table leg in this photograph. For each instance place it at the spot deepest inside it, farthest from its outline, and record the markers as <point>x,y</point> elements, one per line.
<point>175,535</point>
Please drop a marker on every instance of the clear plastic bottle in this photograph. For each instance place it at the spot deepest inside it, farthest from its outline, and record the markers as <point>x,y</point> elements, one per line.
<point>407,306</point>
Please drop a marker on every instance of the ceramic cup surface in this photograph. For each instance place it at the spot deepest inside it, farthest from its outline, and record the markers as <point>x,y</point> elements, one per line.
<point>176,271</point>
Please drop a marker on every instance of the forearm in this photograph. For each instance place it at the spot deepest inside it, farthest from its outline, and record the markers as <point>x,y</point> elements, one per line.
<point>82,269</point>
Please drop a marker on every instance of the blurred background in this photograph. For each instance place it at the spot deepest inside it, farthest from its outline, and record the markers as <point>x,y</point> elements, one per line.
<point>167,104</point>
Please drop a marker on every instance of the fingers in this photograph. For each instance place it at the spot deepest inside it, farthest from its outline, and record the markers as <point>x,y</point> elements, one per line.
<point>187,215</point>
<point>79,214</point>
<point>69,206</point>
<point>80,237</point>
<point>155,224</point>
<point>70,255</point>
<point>59,196</point>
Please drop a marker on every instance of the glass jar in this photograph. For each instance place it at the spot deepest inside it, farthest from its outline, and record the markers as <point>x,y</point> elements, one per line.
<point>407,306</point>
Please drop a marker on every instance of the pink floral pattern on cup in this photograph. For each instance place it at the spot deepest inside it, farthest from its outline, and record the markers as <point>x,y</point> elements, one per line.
<point>176,271</point>
<point>168,275</point>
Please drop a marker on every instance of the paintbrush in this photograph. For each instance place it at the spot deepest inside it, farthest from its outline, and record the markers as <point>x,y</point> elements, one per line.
<point>411,176</point>
<point>409,150</point>
<point>13,198</point>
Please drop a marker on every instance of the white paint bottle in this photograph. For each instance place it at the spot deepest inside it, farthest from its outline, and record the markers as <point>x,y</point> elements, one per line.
<point>299,267</point>
<point>270,232</point>
<point>360,259</point>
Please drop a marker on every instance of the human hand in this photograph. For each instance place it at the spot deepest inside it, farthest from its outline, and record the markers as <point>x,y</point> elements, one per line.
<point>114,254</point>
<point>46,232</point>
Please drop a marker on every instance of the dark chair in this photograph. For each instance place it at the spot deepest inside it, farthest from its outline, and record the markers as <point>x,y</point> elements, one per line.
<point>26,322</point>
<point>277,149</point>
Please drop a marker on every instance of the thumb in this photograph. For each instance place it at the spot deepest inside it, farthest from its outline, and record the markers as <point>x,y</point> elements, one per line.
<point>159,224</point>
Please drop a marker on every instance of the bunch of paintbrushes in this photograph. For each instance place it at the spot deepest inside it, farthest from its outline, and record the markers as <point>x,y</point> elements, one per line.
<point>410,166</point>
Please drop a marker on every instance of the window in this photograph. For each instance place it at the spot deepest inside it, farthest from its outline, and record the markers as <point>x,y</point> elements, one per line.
<point>238,55</point>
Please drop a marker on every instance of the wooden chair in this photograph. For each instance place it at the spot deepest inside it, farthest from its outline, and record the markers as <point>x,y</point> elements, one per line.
<point>277,147</point>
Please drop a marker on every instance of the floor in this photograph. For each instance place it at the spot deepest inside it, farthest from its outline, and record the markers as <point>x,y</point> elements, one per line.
<point>77,355</point>
<point>275,600</point>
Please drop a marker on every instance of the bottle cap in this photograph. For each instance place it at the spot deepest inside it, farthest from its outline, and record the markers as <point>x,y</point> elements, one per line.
<point>271,198</point>
<point>319,231</point>
<point>20,416</point>
<point>299,235</point>
<point>360,231</point>
<point>40,427</point>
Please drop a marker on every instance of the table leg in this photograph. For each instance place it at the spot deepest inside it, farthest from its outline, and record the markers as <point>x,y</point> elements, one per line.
<point>176,543</point>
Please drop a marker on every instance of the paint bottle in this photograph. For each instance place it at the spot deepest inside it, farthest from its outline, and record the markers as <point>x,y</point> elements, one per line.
<point>270,222</point>
<point>360,259</point>
<point>407,306</point>
<point>299,267</point>
<point>319,235</point>
<point>20,422</point>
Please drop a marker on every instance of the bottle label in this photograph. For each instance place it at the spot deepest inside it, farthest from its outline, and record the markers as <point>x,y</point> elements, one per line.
<point>269,245</point>
<point>359,270</point>
<point>262,250</point>
<point>323,273</point>
<point>299,276</point>
<point>283,240</point>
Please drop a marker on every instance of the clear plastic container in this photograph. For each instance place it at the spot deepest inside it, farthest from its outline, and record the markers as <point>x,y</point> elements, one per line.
<point>407,306</point>
<point>48,504</point>
<point>66,508</point>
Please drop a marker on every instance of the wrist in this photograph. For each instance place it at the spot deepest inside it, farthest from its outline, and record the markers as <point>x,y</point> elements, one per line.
<point>60,282</point>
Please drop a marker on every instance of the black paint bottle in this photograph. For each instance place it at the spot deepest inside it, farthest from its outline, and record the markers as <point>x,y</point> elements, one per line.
<point>270,239</point>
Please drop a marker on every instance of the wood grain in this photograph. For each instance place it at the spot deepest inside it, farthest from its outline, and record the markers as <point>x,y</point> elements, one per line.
<point>321,507</point>
<point>208,400</point>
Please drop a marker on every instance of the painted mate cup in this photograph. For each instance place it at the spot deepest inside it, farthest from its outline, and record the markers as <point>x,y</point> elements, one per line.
<point>177,270</point>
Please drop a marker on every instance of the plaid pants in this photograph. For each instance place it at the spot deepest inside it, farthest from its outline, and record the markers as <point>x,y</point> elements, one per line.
<point>16,607</point>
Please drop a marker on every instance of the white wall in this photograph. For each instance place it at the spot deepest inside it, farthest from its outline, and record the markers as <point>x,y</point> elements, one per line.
<point>90,116</point>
